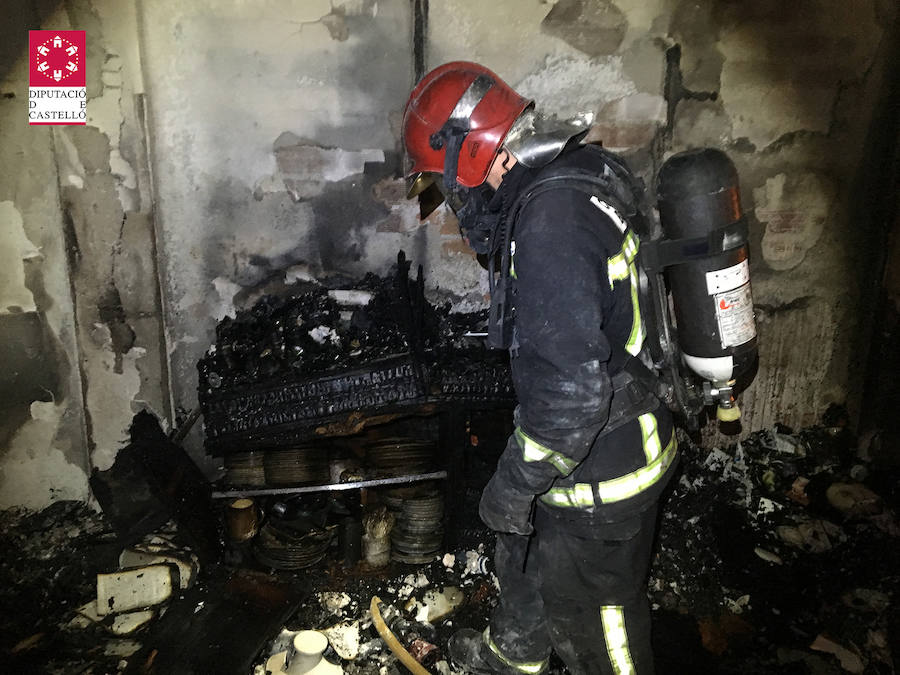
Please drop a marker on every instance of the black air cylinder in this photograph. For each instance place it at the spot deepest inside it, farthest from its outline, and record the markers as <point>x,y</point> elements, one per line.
<point>699,204</point>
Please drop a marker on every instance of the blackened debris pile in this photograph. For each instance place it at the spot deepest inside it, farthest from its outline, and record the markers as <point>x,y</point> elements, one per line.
<point>48,562</point>
<point>373,346</point>
<point>303,334</point>
<point>783,543</point>
<point>422,608</point>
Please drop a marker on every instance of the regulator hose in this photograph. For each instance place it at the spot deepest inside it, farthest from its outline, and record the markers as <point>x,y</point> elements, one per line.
<point>400,652</point>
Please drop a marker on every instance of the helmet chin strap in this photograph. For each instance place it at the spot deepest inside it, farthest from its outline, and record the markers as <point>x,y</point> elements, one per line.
<point>451,135</point>
<point>452,138</point>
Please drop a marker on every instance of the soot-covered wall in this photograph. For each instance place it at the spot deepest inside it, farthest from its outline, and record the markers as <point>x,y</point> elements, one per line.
<point>234,147</point>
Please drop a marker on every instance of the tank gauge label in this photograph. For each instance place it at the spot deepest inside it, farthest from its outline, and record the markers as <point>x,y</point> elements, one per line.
<point>728,279</point>
<point>734,314</point>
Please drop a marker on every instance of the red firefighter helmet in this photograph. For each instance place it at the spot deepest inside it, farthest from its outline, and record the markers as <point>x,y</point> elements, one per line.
<point>463,109</point>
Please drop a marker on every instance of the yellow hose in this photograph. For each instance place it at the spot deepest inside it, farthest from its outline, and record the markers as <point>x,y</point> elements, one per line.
<point>405,657</point>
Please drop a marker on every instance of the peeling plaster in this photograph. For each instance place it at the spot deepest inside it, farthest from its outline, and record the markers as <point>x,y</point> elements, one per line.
<point>304,168</point>
<point>701,124</point>
<point>794,210</point>
<point>226,290</point>
<point>68,161</point>
<point>105,113</point>
<point>785,76</point>
<point>642,17</point>
<point>629,123</point>
<point>503,35</point>
<point>15,248</point>
<point>404,213</point>
<point>297,273</point>
<point>110,393</point>
<point>35,470</point>
<point>595,27</point>
<point>559,86</point>
<point>337,26</point>
<point>45,450</point>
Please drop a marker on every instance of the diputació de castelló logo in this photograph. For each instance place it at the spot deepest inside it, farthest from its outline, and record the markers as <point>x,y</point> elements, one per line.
<point>56,78</point>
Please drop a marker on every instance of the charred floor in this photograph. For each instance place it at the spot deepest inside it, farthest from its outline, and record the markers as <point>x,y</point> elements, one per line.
<point>776,555</point>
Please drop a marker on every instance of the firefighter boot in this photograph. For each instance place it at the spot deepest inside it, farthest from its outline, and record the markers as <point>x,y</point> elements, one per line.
<point>469,652</point>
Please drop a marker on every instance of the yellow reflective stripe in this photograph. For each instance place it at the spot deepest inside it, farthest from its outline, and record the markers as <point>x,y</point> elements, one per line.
<point>619,268</point>
<point>532,451</point>
<point>635,482</point>
<point>512,260</point>
<point>616,636</point>
<point>531,667</point>
<point>581,495</point>
<point>638,332</point>
<point>618,265</point>
<point>650,436</point>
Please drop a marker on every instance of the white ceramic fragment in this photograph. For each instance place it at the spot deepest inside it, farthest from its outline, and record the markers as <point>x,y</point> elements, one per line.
<point>304,658</point>
<point>767,506</point>
<point>738,605</point>
<point>135,588</point>
<point>321,334</point>
<point>850,661</point>
<point>853,499</point>
<point>768,556</point>
<point>418,580</point>
<point>815,536</point>
<point>187,563</point>
<point>129,622</point>
<point>333,601</point>
<point>89,611</point>
<point>344,639</point>
<point>85,616</point>
<point>435,604</point>
<point>355,298</point>
<point>121,647</point>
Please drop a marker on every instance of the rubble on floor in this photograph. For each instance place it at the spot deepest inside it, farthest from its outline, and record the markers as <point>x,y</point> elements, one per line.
<point>772,557</point>
<point>421,605</point>
<point>776,555</point>
<point>778,548</point>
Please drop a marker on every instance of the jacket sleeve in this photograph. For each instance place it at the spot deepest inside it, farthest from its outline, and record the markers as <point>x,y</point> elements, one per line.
<point>560,371</point>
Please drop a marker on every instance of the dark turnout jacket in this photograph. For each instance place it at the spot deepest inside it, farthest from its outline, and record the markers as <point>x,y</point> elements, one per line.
<point>577,320</point>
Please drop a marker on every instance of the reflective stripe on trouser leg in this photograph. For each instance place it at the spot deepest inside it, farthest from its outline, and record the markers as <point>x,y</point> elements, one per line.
<point>616,637</point>
<point>530,667</point>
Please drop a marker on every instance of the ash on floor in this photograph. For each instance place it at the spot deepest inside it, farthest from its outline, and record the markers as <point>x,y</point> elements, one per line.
<point>776,555</point>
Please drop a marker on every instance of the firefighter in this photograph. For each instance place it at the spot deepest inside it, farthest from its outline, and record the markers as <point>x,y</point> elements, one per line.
<point>575,493</point>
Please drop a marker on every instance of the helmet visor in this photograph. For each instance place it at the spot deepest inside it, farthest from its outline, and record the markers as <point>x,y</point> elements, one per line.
<point>428,188</point>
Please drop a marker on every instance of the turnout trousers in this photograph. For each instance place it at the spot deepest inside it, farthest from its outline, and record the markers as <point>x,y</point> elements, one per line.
<point>582,596</point>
